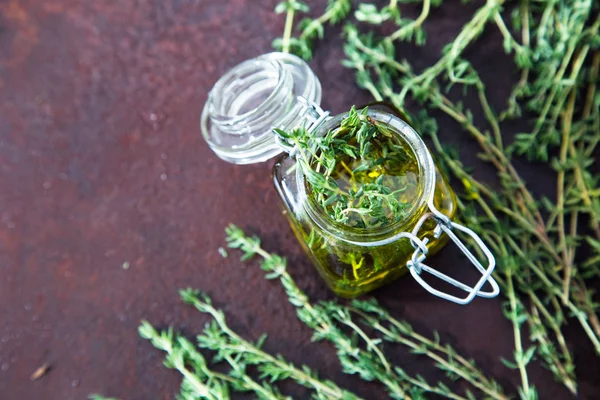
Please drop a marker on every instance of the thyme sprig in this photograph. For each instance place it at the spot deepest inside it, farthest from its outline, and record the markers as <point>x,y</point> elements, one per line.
<point>201,381</point>
<point>290,8</point>
<point>310,29</point>
<point>369,362</point>
<point>445,357</point>
<point>198,379</point>
<point>229,346</point>
<point>370,154</point>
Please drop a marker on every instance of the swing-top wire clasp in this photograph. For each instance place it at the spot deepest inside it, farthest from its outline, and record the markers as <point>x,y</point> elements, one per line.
<point>445,225</point>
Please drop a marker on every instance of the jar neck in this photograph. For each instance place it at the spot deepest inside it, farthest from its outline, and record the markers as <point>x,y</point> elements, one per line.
<point>389,233</point>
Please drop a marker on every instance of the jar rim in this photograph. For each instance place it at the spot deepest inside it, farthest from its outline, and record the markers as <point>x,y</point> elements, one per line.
<point>389,233</point>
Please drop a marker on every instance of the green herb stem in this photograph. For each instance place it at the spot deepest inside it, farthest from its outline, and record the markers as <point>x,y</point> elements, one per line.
<point>176,358</point>
<point>469,32</point>
<point>579,179</point>
<point>560,195</point>
<point>545,347</point>
<point>557,81</point>
<point>412,26</point>
<point>289,23</point>
<point>454,363</point>
<point>335,12</point>
<point>245,348</point>
<point>354,360</point>
<point>526,391</point>
<point>490,116</point>
<point>552,289</point>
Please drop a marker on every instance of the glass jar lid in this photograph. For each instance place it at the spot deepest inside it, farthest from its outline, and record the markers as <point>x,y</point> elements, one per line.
<point>250,100</point>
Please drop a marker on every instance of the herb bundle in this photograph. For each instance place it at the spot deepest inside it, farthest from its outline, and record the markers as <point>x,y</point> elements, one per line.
<point>361,173</point>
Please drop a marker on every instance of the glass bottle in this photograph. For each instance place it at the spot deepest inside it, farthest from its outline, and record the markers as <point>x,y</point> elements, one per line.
<point>279,90</point>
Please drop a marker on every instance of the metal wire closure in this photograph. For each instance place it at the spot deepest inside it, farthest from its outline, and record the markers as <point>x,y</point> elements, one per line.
<point>314,117</point>
<point>416,267</point>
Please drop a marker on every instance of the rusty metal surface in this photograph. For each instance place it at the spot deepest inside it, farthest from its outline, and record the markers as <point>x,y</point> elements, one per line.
<point>102,164</point>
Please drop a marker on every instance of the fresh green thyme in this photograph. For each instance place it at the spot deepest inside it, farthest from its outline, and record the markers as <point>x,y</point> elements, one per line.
<point>330,321</point>
<point>198,379</point>
<point>356,171</point>
<point>310,29</point>
<point>368,365</point>
<point>545,252</point>
<point>202,381</point>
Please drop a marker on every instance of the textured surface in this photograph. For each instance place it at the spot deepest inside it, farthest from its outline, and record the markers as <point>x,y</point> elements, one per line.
<point>102,163</point>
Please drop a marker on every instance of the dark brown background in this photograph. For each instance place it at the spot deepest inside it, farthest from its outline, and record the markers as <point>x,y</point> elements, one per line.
<point>103,163</point>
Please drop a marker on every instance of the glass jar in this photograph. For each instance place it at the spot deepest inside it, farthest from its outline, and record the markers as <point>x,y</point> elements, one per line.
<point>279,90</point>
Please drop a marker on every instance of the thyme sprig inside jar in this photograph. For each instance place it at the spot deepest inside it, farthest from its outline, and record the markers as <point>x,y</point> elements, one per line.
<point>361,174</point>
<point>361,182</point>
